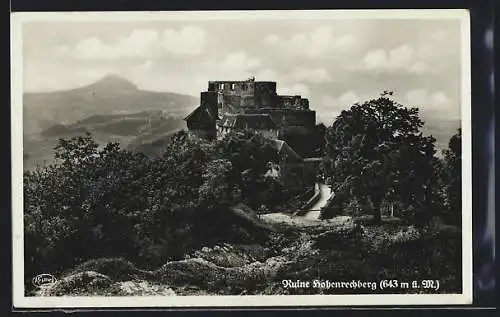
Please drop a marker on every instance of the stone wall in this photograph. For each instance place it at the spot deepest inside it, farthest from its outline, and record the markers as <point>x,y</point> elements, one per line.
<point>245,94</point>
<point>295,121</point>
<point>265,94</point>
<point>288,117</point>
<point>289,102</point>
<point>292,102</point>
<point>234,95</point>
<point>304,103</point>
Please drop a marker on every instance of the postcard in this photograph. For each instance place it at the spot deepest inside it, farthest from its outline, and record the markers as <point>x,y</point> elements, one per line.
<point>241,158</point>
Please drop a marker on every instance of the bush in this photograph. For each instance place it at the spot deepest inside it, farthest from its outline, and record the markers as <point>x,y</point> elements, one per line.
<point>82,283</point>
<point>108,202</point>
<point>118,269</point>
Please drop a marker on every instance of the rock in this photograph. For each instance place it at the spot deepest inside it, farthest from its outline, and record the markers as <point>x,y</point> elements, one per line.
<point>338,235</point>
<point>223,257</point>
<point>143,288</point>
<point>211,277</point>
<point>85,283</point>
<point>118,269</point>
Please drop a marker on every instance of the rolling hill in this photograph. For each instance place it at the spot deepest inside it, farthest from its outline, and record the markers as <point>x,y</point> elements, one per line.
<point>137,131</point>
<point>112,109</point>
<point>110,95</point>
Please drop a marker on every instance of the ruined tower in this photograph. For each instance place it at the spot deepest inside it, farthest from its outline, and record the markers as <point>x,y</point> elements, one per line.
<point>228,105</point>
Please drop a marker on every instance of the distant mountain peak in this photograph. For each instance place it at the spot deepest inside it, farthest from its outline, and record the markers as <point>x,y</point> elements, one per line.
<point>114,82</point>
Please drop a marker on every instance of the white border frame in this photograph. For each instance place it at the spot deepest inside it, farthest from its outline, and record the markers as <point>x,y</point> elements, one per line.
<point>20,301</point>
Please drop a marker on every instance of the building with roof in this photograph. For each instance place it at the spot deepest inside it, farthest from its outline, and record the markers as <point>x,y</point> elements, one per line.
<point>290,167</point>
<point>294,121</point>
<point>202,121</point>
<point>255,105</point>
<point>260,123</point>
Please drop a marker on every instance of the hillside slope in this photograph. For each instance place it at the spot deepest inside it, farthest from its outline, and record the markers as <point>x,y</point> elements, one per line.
<point>110,95</point>
<point>112,109</point>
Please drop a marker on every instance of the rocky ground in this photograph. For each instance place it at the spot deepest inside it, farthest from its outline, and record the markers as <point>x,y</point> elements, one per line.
<point>339,249</point>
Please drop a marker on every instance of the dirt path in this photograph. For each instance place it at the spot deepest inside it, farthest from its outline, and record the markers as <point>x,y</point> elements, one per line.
<point>314,211</point>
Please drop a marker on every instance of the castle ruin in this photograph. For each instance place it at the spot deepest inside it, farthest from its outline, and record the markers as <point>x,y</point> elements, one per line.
<point>255,105</point>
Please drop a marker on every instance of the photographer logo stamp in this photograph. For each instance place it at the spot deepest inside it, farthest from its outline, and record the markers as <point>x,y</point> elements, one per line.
<point>44,279</point>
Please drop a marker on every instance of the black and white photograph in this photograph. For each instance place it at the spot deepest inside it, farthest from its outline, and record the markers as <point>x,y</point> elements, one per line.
<point>241,158</point>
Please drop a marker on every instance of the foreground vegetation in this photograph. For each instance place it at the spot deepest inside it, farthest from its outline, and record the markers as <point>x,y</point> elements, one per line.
<point>337,251</point>
<point>116,222</point>
<point>112,202</point>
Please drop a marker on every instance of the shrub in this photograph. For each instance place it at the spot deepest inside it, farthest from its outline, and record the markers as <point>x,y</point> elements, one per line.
<point>108,202</point>
<point>116,268</point>
<point>82,283</point>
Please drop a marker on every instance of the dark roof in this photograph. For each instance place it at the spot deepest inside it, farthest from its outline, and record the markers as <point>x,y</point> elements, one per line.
<point>283,148</point>
<point>203,109</point>
<point>192,113</point>
<point>248,121</point>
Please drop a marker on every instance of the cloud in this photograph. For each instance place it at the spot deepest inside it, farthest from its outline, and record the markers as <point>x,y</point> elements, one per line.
<point>266,75</point>
<point>190,40</point>
<point>344,100</point>
<point>93,48</point>
<point>419,68</point>
<point>426,99</point>
<point>418,60</point>
<point>271,39</point>
<point>239,60</point>
<point>349,98</point>
<point>404,58</point>
<point>61,50</point>
<point>48,76</point>
<point>295,89</point>
<point>91,75</point>
<point>313,45</point>
<point>236,65</point>
<point>296,75</point>
<point>433,101</point>
<point>317,75</point>
<point>147,65</point>
<point>140,43</point>
<point>438,35</point>
<point>428,52</point>
<point>329,107</point>
<point>399,58</point>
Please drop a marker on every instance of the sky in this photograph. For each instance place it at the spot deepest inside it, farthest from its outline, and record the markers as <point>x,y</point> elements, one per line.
<point>333,62</point>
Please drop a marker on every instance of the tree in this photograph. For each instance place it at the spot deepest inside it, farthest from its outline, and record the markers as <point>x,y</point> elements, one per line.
<point>319,140</point>
<point>379,153</point>
<point>452,176</point>
<point>108,202</point>
<point>215,190</point>
<point>249,155</point>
